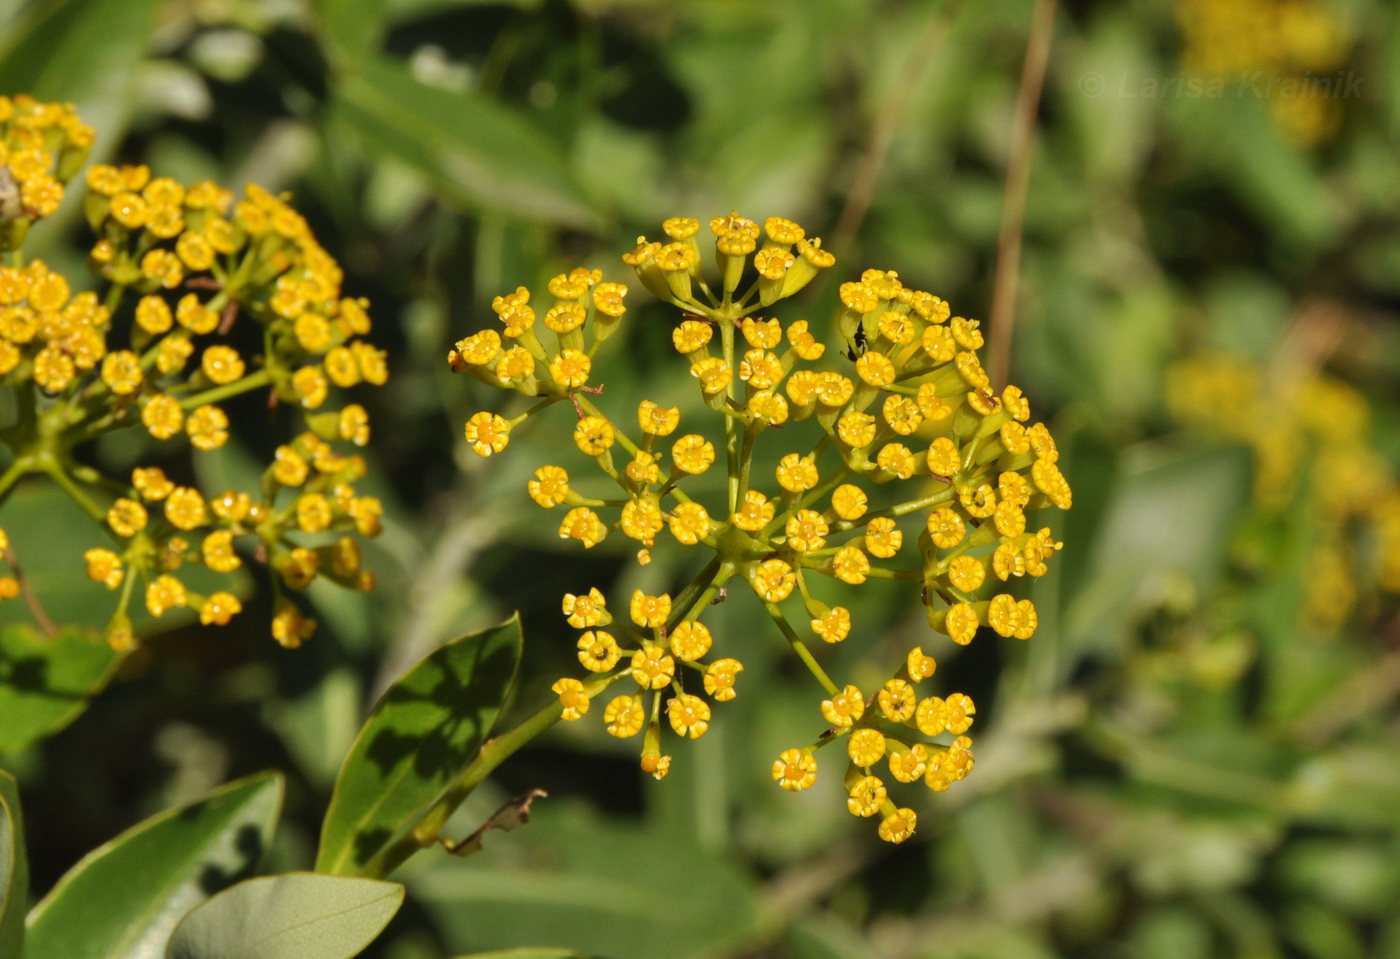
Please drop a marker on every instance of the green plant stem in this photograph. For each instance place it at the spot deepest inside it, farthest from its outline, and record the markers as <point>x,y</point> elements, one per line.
<point>495,751</point>
<point>252,381</point>
<point>801,648</point>
<point>731,428</point>
<point>75,492</point>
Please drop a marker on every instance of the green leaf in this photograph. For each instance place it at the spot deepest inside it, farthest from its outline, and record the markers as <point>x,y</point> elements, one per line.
<point>299,915</point>
<point>46,683</point>
<point>577,880</point>
<point>527,953</point>
<point>14,869</point>
<point>351,28</point>
<point>477,152</point>
<point>124,898</point>
<point>83,51</point>
<point>425,729</point>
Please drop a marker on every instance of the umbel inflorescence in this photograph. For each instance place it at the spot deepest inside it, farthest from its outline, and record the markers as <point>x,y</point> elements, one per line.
<point>182,267</point>
<point>922,473</point>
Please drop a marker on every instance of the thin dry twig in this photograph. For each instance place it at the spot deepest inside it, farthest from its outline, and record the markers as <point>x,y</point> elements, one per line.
<point>1002,319</point>
<point>877,149</point>
<point>31,599</point>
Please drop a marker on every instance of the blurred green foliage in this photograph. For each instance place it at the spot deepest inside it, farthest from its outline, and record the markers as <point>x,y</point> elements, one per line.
<point>1177,766</point>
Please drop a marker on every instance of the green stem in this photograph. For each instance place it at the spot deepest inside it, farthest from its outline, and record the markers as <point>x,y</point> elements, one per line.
<point>252,381</point>
<point>492,754</point>
<point>801,648</point>
<point>731,428</point>
<point>75,492</point>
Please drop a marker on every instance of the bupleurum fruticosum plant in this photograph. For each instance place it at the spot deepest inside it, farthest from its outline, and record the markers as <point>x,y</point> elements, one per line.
<point>914,443</point>
<point>182,265</point>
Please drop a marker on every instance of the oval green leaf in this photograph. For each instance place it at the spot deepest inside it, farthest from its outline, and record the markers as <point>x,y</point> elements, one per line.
<point>79,51</point>
<point>426,729</point>
<point>477,152</point>
<point>297,915</point>
<point>14,869</point>
<point>123,899</point>
<point>46,682</point>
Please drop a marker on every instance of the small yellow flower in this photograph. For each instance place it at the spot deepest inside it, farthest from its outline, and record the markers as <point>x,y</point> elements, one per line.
<point>693,454</point>
<point>897,700</point>
<point>804,344</point>
<point>353,424</point>
<point>959,711</point>
<point>691,336</point>
<point>582,524</point>
<point>105,567</point>
<point>856,430</point>
<point>690,640</point>
<point>774,580</point>
<point>487,433</point>
<point>625,716</point>
<point>946,528</point>
<point>163,593</point>
<point>572,697</point>
<point>875,369</point>
<point>594,435</point>
<point>797,473</point>
<point>961,623</point>
<point>126,517</point>
<point>689,523</point>
<point>689,715</point>
<point>219,608</point>
<point>550,486</point>
<point>121,371</point>
<point>898,825</point>
<point>162,416</point>
<point>652,668</point>
<point>314,513</point>
<point>657,420</point>
<point>570,368</point>
<point>966,573</point>
<point>720,677</point>
<point>849,502</point>
<point>850,565</point>
<point>882,538</point>
<point>844,708</point>
<point>866,796</point>
<point>184,508</point>
<point>806,531</point>
<point>795,770</point>
<point>218,552</point>
<point>756,512</point>
<point>865,747</point>
<point>943,459</point>
<point>762,334</point>
<point>920,666</point>
<point>598,651</point>
<point>650,611</point>
<point>586,611</point>
<point>222,364</point>
<point>833,626</point>
<point>289,628</point>
<point>643,470</point>
<point>713,373</point>
<point>207,427</point>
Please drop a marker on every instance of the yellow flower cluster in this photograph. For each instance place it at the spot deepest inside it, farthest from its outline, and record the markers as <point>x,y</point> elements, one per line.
<point>42,147</point>
<point>1288,50</point>
<point>1311,453</point>
<point>183,265</point>
<point>908,440</point>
